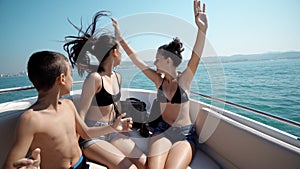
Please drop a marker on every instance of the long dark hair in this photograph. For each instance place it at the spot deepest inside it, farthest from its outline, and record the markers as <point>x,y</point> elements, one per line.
<point>87,42</point>
<point>172,50</point>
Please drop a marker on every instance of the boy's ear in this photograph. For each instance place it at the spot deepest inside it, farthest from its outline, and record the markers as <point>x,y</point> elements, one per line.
<point>61,79</point>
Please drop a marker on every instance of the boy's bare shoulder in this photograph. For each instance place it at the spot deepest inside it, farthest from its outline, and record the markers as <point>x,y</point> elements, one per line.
<point>29,113</point>
<point>67,101</point>
<point>69,104</point>
<point>30,117</point>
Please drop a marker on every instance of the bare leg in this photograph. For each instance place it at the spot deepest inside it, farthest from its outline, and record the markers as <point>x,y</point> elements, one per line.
<point>128,147</point>
<point>180,155</point>
<point>159,150</point>
<point>105,153</point>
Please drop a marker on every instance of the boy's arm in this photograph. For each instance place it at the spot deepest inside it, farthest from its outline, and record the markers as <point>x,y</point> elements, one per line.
<point>24,135</point>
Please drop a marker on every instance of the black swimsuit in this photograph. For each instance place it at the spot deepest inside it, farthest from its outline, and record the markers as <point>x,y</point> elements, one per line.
<point>103,98</point>
<point>180,95</point>
<point>173,133</point>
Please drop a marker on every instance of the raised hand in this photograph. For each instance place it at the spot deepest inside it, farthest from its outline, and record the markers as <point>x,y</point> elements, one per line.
<point>122,125</point>
<point>26,163</point>
<point>117,30</point>
<point>200,16</point>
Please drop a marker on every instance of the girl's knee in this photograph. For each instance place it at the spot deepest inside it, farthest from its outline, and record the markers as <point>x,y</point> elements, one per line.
<point>140,163</point>
<point>126,164</point>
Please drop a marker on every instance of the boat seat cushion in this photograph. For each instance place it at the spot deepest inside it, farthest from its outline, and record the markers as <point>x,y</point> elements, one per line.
<point>200,160</point>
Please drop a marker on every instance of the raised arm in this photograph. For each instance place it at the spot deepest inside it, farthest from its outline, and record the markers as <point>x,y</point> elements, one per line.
<point>135,58</point>
<point>202,24</point>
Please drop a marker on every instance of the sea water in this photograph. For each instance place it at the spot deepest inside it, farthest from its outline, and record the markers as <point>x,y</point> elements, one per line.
<point>270,86</point>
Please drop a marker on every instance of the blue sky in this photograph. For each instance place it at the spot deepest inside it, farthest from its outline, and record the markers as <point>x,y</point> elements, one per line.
<point>235,26</point>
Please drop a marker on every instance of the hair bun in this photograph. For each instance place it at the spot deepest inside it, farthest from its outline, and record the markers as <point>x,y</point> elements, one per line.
<point>175,46</point>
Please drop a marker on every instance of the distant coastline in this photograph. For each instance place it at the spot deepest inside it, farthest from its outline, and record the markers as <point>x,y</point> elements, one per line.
<point>253,57</point>
<point>3,75</point>
<point>215,59</point>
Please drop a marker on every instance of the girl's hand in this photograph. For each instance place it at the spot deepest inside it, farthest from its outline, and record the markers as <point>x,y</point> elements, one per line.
<point>122,125</point>
<point>117,30</point>
<point>200,16</point>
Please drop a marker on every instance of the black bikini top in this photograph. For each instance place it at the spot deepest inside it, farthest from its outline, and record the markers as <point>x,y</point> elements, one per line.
<point>103,98</point>
<point>180,95</point>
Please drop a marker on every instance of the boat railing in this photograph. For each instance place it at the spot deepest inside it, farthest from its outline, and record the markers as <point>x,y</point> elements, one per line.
<point>285,120</point>
<point>282,119</point>
<point>17,89</point>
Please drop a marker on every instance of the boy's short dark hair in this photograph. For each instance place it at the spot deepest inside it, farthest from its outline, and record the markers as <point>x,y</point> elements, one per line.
<point>44,67</point>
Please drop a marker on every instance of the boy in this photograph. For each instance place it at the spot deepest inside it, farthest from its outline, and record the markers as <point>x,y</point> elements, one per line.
<point>52,124</point>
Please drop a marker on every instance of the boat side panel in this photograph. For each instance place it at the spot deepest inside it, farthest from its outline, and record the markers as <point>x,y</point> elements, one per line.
<point>238,146</point>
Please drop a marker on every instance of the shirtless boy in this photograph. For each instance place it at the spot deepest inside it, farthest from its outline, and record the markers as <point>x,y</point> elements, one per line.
<point>52,123</point>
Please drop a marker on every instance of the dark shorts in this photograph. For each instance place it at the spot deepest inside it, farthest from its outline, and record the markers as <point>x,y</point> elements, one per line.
<point>81,164</point>
<point>175,134</point>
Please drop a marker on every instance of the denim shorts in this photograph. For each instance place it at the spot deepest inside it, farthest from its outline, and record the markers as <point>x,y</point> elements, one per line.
<point>175,134</point>
<point>107,137</point>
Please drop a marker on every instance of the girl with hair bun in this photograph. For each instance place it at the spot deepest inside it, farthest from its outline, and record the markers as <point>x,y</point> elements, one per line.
<point>173,142</point>
<point>100,93</point>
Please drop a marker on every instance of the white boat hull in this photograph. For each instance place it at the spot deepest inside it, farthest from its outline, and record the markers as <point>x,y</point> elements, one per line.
<point>226,140</point>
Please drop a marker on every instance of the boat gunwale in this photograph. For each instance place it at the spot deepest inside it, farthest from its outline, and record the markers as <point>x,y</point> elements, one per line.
<point>275,132</point>
<point>262,113</point>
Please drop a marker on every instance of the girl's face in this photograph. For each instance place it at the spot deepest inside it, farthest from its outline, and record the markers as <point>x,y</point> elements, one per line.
<point>160,62</point>
<point>118,56</point>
